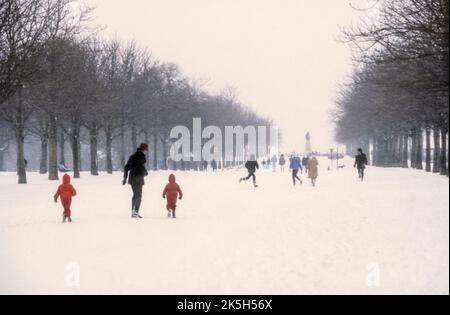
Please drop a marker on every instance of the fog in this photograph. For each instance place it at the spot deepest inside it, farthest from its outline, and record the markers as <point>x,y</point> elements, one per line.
<point>281,57</point>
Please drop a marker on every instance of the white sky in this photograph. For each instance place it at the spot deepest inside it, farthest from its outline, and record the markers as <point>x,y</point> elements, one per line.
<point>280,55</point>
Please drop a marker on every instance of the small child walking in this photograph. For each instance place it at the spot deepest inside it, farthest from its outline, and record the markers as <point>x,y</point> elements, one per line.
<point>172,192</point>
<point>65,191</point>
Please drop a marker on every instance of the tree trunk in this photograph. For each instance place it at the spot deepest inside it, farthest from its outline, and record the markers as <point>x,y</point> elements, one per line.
<point>76,154</point>
<point>428,149</point>
<point>444,169</point>
<point>53,148</point>
<point>94,147</point>
<point>122,146</point>
<point>436,150</point>
<point>2,159</point>
<point>62,145</point>
<point>413,149</point>
<point>44,155</point>
<point>109,164</point>
<point>21,163</point>
<point>419,152</point>
<point>164,152</point>
<point>386,154</point>
<point>405,151</point>
<point>155,153</point>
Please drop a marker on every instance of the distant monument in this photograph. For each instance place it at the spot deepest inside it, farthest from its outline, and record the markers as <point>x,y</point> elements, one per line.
<point>308,149</point>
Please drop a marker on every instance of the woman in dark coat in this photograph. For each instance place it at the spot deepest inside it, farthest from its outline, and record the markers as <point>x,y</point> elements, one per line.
<point>135,172</point>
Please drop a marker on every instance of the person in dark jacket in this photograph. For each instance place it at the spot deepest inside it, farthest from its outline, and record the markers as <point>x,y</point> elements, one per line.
<point>305,162</point>
<point>360,163</point>
<point>251,166</point>
<point>296,166</point>
<point>214,165</point>
<point>135,172</point>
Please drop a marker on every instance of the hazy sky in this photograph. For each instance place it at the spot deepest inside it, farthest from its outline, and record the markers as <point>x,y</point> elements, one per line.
<point>280,55</point>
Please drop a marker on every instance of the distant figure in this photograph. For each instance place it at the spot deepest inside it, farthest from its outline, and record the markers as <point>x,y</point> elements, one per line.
<point>205,166</point>
<point>360,163</point>
<point>305,161</point>
<point>282,162</point>
<point>313,170</point>
<point>135,172</point>
<point>66,191</point>
<point>274,163</point>
<point>214,165</point>
<point>296,166</point>
<point>251,165</point>
<point>172,192</point>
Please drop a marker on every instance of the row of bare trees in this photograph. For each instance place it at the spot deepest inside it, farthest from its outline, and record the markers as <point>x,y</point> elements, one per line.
<point>64,88</point>
<point>396,102</point>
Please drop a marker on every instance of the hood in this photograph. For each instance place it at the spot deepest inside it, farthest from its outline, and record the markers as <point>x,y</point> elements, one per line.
<point>66,179</point>
<point>172,178</point>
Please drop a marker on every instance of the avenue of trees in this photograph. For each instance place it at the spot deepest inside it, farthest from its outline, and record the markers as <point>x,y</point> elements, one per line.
<point>396,105</point>
<point>65,87</point>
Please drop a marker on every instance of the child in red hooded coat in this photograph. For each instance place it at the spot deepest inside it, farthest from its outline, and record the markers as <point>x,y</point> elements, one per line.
<point>66,192</point>
<point>172,192</point>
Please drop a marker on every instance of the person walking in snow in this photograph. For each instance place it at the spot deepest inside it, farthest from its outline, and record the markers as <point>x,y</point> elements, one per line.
<point>360,163</point>
<point>251,165</point>
<point>135,172</point>
<point>282,162</point>
<point>305,162</point>
<point>274,163</point>
<point>214,165</point>
<point>172,192</point>
<point>66,192</point>
<point>296,166</point>
<point>313,170</point>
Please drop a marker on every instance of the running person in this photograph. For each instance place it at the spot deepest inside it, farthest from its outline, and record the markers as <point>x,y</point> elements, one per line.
<point>251,165</point>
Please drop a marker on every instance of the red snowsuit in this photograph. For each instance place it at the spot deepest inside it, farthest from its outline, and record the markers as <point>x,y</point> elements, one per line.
<point>172,191</point>
<point>66,192</point>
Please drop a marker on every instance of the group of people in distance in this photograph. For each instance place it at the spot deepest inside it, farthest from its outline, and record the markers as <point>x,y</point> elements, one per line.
<point>308,164</point>
<point>135,172</point>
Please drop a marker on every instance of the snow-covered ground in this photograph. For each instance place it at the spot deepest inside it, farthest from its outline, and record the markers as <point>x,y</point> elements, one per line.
<point>389,234</point>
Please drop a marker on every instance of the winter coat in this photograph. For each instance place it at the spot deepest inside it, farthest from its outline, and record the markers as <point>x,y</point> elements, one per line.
<point>172,191</point>
<point>313,170</point>
<point>135,169</point>
<point>305,161</point>
<point>295,164</point>
<point>65,191</point>
<point>252,166</point>
<point>361,160</point>
<point>282,161</point>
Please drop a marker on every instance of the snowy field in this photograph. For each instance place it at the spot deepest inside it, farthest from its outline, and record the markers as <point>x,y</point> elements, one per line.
<point>387,235</point>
